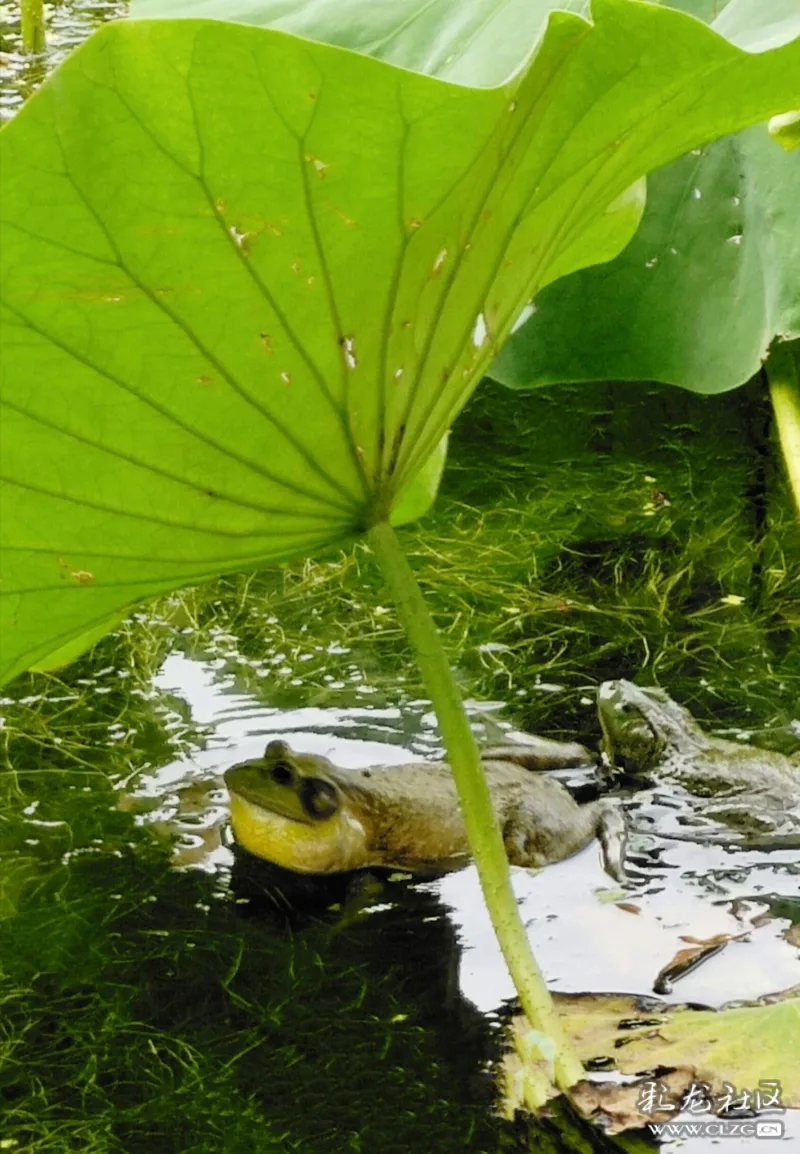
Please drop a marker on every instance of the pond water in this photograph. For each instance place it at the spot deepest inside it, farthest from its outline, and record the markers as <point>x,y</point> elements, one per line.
<point>159,992</point>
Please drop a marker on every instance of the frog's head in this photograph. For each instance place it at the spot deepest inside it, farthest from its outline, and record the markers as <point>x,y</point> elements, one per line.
<point>294,809</point>
<point>641,725</point>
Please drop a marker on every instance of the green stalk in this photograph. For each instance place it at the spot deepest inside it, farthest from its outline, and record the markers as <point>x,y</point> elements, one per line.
<point>783,373</point>
<point>32,21</point>
<point>482,828</point>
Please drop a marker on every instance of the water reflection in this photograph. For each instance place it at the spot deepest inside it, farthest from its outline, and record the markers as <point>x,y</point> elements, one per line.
<point>67,26</point>
<point>586,934</point>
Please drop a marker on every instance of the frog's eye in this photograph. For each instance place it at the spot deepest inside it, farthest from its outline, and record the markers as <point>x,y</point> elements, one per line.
<point>318,798</point>
<point>282,773</point>
<point>277,748</point>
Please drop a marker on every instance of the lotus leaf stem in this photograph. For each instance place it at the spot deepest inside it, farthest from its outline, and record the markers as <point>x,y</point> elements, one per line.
<point>783,374</point>
<point>557,1052</point>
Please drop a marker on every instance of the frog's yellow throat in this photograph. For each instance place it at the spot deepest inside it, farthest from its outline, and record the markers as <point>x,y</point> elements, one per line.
<point>337,844</point>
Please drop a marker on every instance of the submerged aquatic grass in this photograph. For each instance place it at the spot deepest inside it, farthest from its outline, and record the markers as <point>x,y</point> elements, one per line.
<point>161,1022</point>
<point>147,1008</point>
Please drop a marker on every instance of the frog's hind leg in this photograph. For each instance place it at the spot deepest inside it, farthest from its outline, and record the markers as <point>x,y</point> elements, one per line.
<point>540,753</point>
<point>536,833</point>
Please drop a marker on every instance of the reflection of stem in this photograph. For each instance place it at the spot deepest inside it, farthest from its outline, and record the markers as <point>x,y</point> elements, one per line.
<point>783,374</point>
<point>32,20</point>
<point>483,832</point>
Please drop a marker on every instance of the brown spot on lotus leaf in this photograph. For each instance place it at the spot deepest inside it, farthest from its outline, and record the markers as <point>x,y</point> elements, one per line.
<point>320,166</point>
<point>348,351</point>
<point>266,341</point>
<point>203,380</point>
<point>441,256</point>
<point>244,240</point>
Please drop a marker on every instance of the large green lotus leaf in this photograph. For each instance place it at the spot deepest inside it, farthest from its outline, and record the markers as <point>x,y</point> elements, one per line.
<point>248,281</point>
<point>711,277</point>
<point>475,42</point>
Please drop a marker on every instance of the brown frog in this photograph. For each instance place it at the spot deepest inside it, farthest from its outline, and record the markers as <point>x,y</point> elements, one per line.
<point>301,812</point>
<point>753,791</point>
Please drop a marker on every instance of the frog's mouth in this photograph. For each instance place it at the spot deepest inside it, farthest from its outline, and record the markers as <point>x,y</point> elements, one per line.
<point>312,801</point>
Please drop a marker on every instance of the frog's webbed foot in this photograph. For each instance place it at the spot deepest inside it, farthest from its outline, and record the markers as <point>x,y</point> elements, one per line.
<point>364,888</point>
<point>540,753</point>
<point>612,830</point>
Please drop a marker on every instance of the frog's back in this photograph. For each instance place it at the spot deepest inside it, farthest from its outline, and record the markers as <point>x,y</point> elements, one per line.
<point>415,816</point>
<point>720,767</point>
<point>430,784</point>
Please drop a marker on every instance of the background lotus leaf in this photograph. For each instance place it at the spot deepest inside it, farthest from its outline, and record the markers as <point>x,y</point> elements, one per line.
<point>475,42</point>
<point>711,277</point>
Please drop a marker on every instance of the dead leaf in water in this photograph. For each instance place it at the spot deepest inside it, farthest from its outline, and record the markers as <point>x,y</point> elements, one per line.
<point>684,961</point>
<point>742,1044</point>
<point>617,1105</point>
